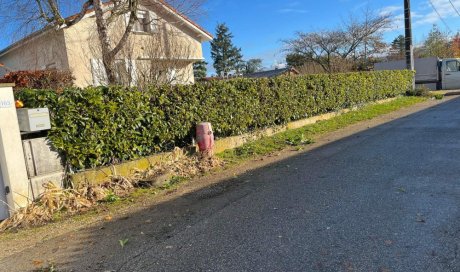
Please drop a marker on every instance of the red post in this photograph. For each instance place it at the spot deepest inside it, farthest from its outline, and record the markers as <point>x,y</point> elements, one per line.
<point>205,138</point>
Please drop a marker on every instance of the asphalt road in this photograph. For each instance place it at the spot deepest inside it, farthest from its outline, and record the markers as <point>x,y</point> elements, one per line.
<point>385,199</point>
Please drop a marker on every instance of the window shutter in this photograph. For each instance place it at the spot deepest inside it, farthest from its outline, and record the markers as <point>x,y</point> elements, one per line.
<point>153,21</point>
<point>98,71</point>
<point>131,67</point>
<point>172,75</point>
<point>126,17</point>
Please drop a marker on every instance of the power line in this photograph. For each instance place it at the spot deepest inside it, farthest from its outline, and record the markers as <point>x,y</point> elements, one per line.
<point>439,15</point>
<point>456,10</point>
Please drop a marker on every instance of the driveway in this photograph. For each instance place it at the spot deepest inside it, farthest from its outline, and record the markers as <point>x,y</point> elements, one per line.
<point>383,199</point>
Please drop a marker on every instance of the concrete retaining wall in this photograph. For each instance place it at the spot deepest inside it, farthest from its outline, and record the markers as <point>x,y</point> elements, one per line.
<point>102,174</point>
<point>43,164</point>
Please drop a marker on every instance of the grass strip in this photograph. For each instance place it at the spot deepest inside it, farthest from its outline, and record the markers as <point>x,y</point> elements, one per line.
<point>306,135</point>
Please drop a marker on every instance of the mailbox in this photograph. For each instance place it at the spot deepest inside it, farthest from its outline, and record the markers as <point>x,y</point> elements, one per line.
<point>32,120</point>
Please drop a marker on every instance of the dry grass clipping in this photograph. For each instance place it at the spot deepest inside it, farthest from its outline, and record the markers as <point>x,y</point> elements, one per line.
<point>72,201</point>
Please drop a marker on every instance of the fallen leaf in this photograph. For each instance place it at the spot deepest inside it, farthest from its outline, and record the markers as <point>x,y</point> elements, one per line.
<point>123,242</point>
<point>37,262</point>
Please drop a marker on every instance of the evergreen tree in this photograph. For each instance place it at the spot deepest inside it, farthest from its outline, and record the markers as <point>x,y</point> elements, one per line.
<point>226,56</point>
<point>200,70</point>
<point>240,67</point>
<point>398,48</point>
<point>437,44</point>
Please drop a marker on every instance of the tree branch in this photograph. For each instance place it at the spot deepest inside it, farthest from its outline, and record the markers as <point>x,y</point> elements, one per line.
<point>55,11</point>
<point>133,4</point>
<point>79,16</point>
<point>42,12</point>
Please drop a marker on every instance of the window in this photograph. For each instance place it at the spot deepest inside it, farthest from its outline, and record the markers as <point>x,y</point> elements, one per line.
<point>143,23</point>
<point>452,66</point>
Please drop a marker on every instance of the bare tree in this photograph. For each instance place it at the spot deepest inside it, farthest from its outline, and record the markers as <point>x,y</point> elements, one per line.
<point>35,14</point>
<point>191,8</point>
<point>319,47</point>
<point>353,40</point>
<point>310,68</point>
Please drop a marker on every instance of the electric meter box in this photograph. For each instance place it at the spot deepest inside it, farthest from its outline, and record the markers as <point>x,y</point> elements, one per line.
<point>32,120</point>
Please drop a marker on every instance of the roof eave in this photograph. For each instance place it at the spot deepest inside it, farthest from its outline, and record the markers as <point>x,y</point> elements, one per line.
<point>25,40</point>
<point>202,34</point>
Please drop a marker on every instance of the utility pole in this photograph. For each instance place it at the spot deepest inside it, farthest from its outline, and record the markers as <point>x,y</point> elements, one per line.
<point>409,46</point>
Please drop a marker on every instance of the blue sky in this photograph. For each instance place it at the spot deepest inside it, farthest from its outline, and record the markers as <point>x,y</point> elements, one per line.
<point>259,26</point>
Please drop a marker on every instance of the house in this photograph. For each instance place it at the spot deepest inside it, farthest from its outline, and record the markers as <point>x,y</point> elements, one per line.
<point>274,73</point>
<point>163,47</point>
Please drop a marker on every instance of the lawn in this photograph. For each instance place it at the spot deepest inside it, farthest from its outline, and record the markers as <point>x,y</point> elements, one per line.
<point>306,135</point>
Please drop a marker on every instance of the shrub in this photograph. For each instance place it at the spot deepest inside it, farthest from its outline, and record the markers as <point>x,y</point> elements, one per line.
<point>439,96</point>
<point>37,98</point>
<point>40,79</point>
<point>421,91</point>
<point>104,125</point>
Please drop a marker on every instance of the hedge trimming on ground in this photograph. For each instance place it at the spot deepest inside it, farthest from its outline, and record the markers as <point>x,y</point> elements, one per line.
<point>99,126</point>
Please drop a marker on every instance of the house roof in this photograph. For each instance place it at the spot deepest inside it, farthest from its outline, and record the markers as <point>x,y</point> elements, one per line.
<point>272,73</point>
<point>24,40</point>
<point>186,18</point>
<point>162,2</point>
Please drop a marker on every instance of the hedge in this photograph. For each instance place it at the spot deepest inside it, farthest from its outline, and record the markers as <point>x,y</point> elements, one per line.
<point>40,79</point>
<point>98,126</point>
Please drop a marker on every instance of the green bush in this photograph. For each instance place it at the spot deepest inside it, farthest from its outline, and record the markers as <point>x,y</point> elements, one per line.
<point>421,91</point>
<point>439,96</point>
<point>99,126</point>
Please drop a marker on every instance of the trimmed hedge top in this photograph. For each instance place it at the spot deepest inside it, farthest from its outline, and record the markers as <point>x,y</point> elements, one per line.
<point>40,79</point>
<point>99,126</point>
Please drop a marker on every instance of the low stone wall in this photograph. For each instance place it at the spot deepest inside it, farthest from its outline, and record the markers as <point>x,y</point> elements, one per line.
<point>100,175</point>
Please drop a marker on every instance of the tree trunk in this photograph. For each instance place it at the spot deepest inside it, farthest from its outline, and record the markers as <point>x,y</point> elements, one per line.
<point>108,58</point>
<point>109,53</point>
